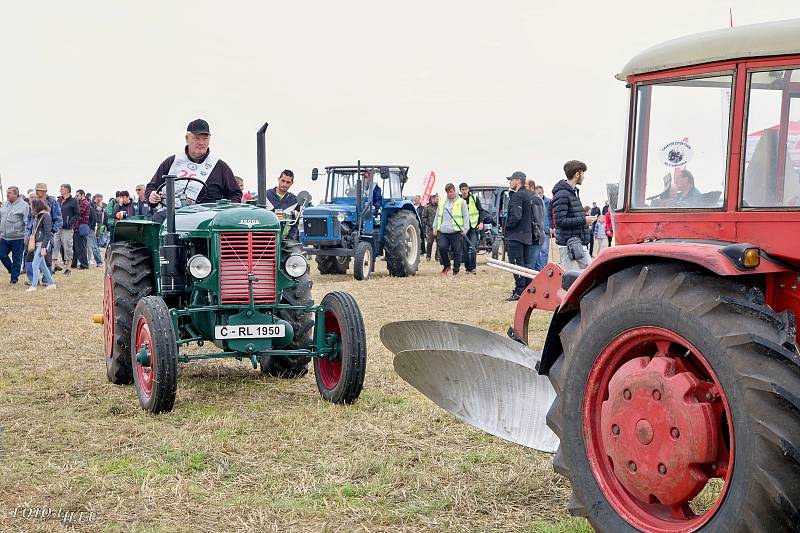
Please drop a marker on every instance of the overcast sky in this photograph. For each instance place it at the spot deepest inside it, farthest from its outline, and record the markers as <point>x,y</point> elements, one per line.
<point>98,93</point>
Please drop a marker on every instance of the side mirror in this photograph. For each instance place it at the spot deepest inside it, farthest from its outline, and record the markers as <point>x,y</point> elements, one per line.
<point>303,199</point>
<point>385,173</point>
<point>314,175</point>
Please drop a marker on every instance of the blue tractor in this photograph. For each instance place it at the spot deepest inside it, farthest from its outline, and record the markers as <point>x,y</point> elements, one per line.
<point>363,217</point>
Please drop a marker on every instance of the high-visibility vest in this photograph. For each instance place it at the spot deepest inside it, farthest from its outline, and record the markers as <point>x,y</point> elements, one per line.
<point>474,214</point>
<point>458,215</point>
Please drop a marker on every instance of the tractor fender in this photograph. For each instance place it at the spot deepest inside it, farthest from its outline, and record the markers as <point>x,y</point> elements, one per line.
<point>709,256</point>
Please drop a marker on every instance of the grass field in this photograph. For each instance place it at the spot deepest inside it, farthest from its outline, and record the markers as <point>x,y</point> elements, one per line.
<point>245,452</point>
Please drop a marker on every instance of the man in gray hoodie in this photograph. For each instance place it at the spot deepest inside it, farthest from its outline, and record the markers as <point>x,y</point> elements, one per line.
<point>13,219</point>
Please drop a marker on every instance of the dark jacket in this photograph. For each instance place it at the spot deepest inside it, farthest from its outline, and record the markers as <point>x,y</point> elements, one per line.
<point>220,184</point>
<point>69,212</point>
<point>44,231</point>
<point>519,224</point>
<point>141,208</point>
<point>280,203</point>
<point>537,219</point>
<point>428,217</point>
<point>123,208</point>
<point>568,214</point>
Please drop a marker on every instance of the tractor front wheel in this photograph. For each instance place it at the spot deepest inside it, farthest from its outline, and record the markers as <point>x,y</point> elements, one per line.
<point>340,377</point>
<point>329,264</point>
<point>402,244</point>
<point>364,262</point>
<point>677,406</point>
<point>154,355</point>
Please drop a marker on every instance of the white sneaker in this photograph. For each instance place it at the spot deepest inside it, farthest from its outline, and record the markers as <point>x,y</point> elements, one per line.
<point>53,286</point>
<point>31,289</point>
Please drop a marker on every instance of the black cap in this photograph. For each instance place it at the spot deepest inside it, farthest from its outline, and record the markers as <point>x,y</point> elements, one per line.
<point>517,175</point>
<point>198,126</point>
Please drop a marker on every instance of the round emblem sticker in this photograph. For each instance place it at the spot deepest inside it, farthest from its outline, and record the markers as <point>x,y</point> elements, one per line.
<point>676,154</point>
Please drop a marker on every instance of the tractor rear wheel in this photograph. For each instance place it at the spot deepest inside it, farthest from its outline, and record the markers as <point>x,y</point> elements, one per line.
<point>128,278</point>
<point>290,367</point>
<point>329,264</point>
<point>677,406</point>
<point>341,377</point>
<point>401,244</point>
<point>154,355</point>
<point>364,262</point>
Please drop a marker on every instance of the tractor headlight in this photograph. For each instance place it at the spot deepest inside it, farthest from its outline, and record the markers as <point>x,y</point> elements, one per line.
<point>296,265</point>
<point>199,266</point>
<point>340,217</point>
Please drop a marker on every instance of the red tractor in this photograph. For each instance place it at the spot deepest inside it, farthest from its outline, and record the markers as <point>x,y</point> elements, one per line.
<point>674,355</point>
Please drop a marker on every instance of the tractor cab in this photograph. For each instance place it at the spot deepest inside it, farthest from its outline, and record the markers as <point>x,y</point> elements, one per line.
<point>494,200</point>
<point>355,221</point>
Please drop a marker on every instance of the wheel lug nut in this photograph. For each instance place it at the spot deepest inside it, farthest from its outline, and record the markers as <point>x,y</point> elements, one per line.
<point>709,396</point>
<point>662,469</point>
<point>675,433</point>
<point>656,395</point>
<point>615,429</point>
<point>626,394</point>
<point>632,466</point>
<point>714,466</point>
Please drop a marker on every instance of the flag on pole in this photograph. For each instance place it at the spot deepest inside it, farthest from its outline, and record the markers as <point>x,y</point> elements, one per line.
<point>430,179</point>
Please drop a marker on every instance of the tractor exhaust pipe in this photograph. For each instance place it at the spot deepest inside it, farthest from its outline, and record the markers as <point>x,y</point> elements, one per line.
<point>261,163</point>
<point>173,254</point>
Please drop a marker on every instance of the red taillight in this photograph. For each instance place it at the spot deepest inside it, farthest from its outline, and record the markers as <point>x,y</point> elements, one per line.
<point>243,253</point>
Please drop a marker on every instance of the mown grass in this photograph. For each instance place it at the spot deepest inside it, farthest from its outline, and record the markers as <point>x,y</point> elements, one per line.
<point>244,452</point>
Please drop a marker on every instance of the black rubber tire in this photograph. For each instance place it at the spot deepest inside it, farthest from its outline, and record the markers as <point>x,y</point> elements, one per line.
<point>329,264</point>
<point>396,247</point>
<point>163,355</point>
<point>291,367</point>
<point>363,262</point>
<point>131,270</point>
<point>751,349</point>
<point>353,352</point>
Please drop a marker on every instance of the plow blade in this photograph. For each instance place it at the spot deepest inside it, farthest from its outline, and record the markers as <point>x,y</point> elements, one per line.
<point>486,380</point>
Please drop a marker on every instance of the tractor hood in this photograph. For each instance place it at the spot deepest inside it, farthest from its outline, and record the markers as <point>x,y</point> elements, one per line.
<point>224,216</point>
<point>331,210</point>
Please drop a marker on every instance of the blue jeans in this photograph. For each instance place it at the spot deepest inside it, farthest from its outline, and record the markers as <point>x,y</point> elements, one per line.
<point>16,247</point>
<point>544,253</point>
<point>470,251</point>
<point>40,265</point>
<point>532,256</point>
<point>91,241</point>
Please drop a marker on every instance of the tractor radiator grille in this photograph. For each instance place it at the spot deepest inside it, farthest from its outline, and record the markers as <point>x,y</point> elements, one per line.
<point>242,253</point>
<point>315,227</point>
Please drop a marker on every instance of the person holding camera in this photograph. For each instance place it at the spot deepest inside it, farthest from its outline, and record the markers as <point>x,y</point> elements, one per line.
<point>124,207</point>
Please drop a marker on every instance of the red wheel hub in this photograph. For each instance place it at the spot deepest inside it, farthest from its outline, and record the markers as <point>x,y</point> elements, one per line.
<point>108,316</point>
<point>144,373</point>
<point>656,429</point>
<point>330,371</point>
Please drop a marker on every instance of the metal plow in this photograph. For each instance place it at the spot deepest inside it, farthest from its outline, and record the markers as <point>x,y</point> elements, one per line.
<point>486,380</point>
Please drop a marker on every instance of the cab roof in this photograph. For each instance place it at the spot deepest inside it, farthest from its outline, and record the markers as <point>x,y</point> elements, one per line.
<point>754,40</point>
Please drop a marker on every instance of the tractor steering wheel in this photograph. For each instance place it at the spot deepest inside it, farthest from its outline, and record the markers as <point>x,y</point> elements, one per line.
<point>182,196</point>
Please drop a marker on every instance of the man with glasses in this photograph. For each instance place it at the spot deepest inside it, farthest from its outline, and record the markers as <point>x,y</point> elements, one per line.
<point>196,161</point>
<point>141,207</point>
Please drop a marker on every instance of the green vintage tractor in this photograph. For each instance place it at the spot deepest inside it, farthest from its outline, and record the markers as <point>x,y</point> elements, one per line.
<point>225,274</point>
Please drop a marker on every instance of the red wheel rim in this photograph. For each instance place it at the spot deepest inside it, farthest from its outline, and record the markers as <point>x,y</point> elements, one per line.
<point>144,374</point>
<point>330,371</point>
<point>657,428</point>
<point>108,316</point>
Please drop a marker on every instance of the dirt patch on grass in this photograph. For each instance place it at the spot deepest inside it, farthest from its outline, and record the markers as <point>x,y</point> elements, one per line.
<point>242,451</point>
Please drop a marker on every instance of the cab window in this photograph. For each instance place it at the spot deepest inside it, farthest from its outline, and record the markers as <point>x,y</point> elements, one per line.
<point>771,166</point>
<point>681,144</point>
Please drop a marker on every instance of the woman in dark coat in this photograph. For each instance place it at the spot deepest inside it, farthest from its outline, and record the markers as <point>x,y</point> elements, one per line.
<point>43,238</point>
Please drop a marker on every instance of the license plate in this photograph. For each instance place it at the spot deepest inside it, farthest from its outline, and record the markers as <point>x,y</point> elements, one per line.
<point>250,331</point>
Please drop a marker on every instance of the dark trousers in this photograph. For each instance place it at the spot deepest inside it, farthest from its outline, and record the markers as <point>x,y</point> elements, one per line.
<point>15,247</point>
<point>519,254</point>
<point>446,243</point>
<point>471,251</point>
<point>81,256</point>
<point>429,240</point>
